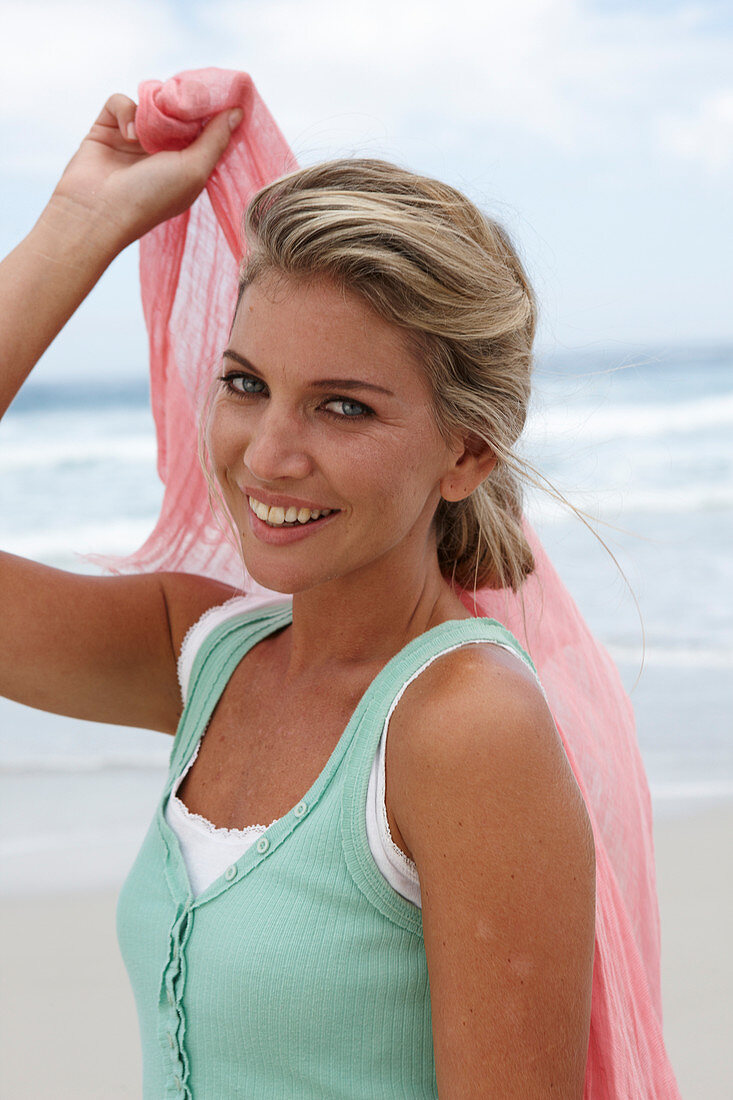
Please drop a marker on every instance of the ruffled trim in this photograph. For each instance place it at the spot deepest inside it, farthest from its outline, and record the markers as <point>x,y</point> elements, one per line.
<point>202,823</point>
<point>210,619</point>
<point>217,832</point>
<point>402,863</point>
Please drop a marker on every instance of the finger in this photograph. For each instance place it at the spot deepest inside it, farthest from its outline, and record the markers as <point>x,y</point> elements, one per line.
<point>205,151</point>
<point>119,111</point>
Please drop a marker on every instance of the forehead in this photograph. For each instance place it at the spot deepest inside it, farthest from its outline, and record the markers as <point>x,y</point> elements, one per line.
<point>316,328</point>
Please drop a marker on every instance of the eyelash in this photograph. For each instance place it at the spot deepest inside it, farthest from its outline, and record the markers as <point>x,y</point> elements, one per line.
<point>228,380</point>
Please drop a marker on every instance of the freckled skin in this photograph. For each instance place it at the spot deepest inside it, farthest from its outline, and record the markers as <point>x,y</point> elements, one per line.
<point>364,584</point>
<point>382,472</point>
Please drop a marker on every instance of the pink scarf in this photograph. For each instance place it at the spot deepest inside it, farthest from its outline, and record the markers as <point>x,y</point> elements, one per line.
<point>188,271</point>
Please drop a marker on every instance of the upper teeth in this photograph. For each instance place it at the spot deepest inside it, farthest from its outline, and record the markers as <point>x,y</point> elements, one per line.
<point>276,515</point>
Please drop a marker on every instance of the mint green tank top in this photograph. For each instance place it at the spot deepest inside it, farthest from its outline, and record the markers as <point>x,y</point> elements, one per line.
<point>299,972</point>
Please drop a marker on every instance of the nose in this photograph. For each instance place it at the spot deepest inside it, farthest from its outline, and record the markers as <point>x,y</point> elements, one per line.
<point>276,449</point>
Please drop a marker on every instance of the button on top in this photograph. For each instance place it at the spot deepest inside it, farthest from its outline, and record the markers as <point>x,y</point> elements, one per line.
<point>231,872</point>
<point>263,844</point>
<point>301,809</point>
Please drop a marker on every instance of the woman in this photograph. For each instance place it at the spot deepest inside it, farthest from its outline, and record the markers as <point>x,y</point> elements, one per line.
<point>418,917</point>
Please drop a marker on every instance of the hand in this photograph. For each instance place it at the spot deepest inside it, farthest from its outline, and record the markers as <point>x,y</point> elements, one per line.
<point>125,191</point>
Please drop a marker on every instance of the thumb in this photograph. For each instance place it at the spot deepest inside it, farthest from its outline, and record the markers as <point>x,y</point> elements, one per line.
<point>211,143</point>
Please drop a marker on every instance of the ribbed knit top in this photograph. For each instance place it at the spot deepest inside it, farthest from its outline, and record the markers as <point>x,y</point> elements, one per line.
<point>299,972</point>
<point>208,850</point>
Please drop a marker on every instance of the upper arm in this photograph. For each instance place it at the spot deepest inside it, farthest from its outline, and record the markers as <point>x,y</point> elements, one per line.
<point>483,795</point>
<point>99,648</point>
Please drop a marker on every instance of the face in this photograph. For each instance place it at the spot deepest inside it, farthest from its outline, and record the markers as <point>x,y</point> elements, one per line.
<point>323,439</point>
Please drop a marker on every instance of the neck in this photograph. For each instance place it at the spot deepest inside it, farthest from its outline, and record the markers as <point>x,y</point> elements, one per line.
<point>370,615</point>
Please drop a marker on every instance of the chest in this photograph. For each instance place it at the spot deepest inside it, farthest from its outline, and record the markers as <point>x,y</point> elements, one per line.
<point>268,740</point>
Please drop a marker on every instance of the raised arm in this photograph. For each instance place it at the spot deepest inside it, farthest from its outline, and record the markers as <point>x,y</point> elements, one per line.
<point>485,801</point>
<point>110,194</point>
<point>94,647</point>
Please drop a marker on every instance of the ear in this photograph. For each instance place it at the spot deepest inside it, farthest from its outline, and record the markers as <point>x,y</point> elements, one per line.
<point>472,465</point>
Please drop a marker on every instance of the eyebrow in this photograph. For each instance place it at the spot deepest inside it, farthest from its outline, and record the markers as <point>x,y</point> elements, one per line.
<point>322,383</point>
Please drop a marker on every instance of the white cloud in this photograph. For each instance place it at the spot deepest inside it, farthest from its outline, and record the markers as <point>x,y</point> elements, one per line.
<point>583,115</point>
<point>416,61</point>
<point>704,137</point>
<point>59,61</point>
<point>559,72</point>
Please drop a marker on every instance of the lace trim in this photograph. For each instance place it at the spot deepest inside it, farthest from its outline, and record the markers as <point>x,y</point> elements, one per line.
<point>199,820</point>
<point>196,633</point>
<point>219,832</point>
<point>186,659</point>
<point>394,852</point>
<point>401,862</point>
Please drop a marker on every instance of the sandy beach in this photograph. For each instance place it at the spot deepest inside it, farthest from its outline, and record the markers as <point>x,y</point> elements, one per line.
<point>695,886</point>
<point>68,1022</point>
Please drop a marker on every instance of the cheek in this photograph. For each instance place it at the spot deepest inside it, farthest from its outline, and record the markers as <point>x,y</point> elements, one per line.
<point>399,474</point>
<point>223,441</point>
<point>423,458</point>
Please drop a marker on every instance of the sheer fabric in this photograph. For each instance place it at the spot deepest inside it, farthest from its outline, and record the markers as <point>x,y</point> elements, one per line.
<point>188,270</point>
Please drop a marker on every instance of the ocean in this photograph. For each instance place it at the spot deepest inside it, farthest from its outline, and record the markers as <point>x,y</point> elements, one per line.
<point>641,443</point>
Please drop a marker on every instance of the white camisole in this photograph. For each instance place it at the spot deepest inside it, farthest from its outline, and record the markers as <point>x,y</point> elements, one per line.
<point>207,850</point>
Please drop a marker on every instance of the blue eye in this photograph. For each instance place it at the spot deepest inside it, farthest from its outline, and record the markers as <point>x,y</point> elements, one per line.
<point>350,410</point>
<point>243,383</point>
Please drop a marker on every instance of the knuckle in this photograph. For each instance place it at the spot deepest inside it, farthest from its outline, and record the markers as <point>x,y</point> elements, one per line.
<point>118,101</point>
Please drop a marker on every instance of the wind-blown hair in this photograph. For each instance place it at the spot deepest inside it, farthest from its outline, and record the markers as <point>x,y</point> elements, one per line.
<point>427,260</point>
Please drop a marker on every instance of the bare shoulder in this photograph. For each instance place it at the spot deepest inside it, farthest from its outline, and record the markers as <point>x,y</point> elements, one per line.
<point>187,597</point>
<point>479,702</point>
<point>475,725</point>
<point>482,793</point>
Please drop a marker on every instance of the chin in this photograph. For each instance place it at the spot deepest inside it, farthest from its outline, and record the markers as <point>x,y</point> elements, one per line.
<point>288,582</point>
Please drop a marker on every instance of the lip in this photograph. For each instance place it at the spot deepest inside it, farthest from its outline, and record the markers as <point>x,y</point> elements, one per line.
<point>283,536</point>
<point>279,500</point>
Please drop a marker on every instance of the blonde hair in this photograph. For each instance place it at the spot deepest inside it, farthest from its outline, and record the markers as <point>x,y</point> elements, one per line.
<point>427,260</point>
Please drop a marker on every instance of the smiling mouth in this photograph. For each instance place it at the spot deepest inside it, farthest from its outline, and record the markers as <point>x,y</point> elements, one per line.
<point>275,516</point>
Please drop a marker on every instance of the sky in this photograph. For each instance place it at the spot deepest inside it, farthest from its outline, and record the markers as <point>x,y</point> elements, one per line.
<point>600,134</point>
